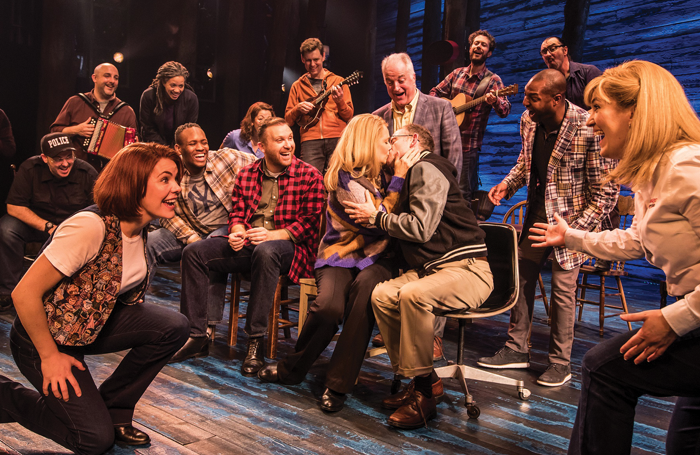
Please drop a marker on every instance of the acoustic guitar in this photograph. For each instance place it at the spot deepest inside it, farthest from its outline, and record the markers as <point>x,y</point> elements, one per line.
<point>462,103</point>
<point>319,101</point>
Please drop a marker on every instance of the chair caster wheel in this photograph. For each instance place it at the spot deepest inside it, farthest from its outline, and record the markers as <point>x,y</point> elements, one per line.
<point>524,394</point>
<point>473,411</point>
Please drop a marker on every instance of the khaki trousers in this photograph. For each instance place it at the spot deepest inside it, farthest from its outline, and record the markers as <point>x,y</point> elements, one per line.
<point>404,309</point>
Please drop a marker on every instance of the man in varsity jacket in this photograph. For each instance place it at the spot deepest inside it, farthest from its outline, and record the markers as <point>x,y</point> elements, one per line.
<point>444,253</point>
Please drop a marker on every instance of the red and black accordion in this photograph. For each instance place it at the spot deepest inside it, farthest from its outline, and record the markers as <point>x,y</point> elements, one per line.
<point>108,138</point>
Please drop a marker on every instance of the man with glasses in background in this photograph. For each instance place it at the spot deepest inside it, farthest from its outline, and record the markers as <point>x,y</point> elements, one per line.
<point>556,56</point>
<point>578,75</point>
<point>46,190</point>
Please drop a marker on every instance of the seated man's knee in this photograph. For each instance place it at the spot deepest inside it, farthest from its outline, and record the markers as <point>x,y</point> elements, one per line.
<point>411,293</point>
<point>383,294</point>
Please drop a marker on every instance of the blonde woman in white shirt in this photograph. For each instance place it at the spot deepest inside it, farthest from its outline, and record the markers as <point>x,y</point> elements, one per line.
<point>646,122</point>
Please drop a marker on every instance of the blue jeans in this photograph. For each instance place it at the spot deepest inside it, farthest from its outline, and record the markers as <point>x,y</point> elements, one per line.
<point>265,262</point>
<point>163,247</point>
<point>611,386</point>
<point>85,424</point>
<point>14,234</point>
<point>469,177</point>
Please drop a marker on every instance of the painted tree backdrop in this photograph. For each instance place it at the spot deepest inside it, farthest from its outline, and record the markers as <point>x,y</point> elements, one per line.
<point>664,32</point>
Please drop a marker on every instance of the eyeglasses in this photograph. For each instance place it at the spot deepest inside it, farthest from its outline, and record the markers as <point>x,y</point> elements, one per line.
<point>550,49</point>
<point>68,159</point>
<point>396,137</point>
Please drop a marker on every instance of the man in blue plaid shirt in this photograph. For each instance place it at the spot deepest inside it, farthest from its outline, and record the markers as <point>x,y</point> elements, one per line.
<point>561,165</point>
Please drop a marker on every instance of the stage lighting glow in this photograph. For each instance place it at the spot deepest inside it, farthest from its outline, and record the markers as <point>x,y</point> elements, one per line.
<point>118,57</point>
<point>210,75</point>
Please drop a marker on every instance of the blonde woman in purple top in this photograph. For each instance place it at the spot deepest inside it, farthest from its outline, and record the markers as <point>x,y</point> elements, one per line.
<point>350,261</point>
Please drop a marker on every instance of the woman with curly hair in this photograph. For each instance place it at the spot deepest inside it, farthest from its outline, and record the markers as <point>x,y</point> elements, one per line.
<point>84,296</point>
<point>247,137</point>
<point>168,103</point>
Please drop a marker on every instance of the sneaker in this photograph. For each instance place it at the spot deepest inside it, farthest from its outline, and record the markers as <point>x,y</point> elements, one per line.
<point>555,375</point>
<point>506,358</point>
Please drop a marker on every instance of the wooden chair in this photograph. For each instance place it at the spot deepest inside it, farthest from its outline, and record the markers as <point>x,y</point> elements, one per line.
<point>515,216</point>
<point>278,318</point>
<point>502,244</point>
<point>625,205</point>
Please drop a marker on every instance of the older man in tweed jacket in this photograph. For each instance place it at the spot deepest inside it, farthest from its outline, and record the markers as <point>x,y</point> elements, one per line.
<point>560,163</point>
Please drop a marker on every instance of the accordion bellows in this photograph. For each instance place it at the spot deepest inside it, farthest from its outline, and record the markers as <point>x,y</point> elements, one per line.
<point>108,138</point>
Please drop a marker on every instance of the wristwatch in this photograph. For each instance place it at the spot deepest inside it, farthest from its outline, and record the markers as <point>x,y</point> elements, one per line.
<point>373,217</point>
<point>48,226</point>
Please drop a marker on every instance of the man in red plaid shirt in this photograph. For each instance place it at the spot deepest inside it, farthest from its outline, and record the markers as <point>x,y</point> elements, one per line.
<point>273,231</point>
<point>467,80</point>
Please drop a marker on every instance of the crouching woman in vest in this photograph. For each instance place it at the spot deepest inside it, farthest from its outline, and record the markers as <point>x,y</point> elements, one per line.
<point>84,295</point>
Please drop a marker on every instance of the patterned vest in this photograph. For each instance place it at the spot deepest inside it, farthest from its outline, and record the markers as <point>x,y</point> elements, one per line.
<point>78,307</point>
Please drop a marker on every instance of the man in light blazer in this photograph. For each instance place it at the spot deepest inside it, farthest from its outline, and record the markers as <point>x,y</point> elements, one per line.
<point>561,165</point>
<point>408,105</point>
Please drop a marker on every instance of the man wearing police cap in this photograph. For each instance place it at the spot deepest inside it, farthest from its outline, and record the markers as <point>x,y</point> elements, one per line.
<point>46,190</point>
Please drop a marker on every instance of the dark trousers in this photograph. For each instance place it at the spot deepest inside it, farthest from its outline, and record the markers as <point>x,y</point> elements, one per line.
<point>318,152</point>
<point>469,177</point>
<point>611,386</point>
<point>265,262</point>
<point>14,234</point>
<point>343,297</point>
<point>85,424</point>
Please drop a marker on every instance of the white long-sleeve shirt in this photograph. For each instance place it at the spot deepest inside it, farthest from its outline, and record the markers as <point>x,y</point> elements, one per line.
<point>665,230</point>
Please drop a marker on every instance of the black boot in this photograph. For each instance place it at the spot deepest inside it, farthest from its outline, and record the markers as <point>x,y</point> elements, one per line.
<point>194,347</point>
<point>255,359</point>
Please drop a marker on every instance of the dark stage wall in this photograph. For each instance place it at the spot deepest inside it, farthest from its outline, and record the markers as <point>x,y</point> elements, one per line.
<point>48,50</point>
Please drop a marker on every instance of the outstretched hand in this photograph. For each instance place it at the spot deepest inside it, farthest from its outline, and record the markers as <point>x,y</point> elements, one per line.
<point>652,340</point>
<point>549,234</point>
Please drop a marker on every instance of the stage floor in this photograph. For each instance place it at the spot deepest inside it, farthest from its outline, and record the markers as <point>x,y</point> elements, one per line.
<point>205,406</point>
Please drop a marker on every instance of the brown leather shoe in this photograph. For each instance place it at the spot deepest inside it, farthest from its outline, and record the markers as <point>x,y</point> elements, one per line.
<point>399,399</point>
<point>378,341</point>
<point>437,349</point>
<point>415,413</point>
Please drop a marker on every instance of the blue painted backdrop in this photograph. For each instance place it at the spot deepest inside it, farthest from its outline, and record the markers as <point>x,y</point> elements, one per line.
<point>664,32</point>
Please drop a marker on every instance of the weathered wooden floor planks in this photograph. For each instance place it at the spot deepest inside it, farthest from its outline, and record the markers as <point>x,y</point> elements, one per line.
<point>206,406</point>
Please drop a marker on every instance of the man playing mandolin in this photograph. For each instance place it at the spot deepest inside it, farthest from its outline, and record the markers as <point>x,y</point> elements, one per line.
<point>474,81</point>
<point>319,133</point>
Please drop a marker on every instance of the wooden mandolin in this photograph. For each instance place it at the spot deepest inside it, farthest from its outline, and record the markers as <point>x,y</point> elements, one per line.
<point>310,119</point>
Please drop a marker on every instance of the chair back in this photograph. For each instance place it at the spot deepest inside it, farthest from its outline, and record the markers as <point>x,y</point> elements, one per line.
<point>502,245</point>
<point>516,214</point>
